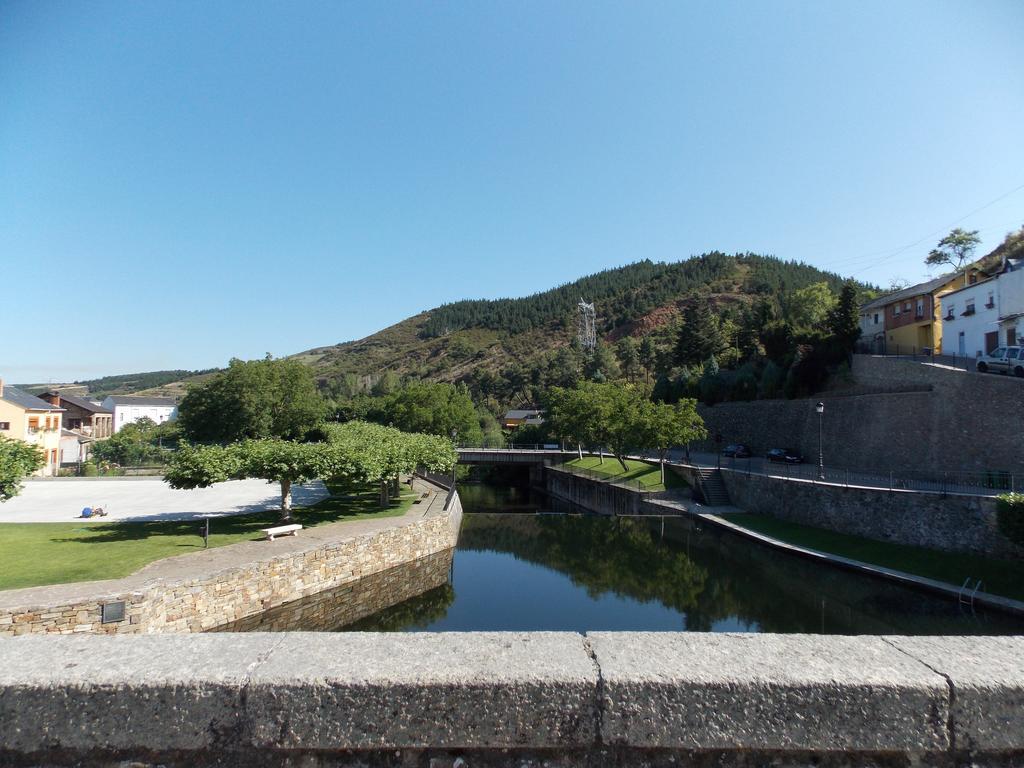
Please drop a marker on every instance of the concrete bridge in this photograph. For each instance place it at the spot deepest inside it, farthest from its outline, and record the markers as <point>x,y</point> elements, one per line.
<point>522,456</point>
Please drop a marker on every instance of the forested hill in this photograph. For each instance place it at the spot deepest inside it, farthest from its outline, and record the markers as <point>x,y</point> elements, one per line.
<point>496,346</point>
<point>627,293</point>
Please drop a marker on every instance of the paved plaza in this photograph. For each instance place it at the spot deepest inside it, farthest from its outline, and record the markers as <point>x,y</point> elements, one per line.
<point>146,499</point>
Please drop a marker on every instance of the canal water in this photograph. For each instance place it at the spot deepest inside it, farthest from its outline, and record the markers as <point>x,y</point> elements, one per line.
<point>521,566</point>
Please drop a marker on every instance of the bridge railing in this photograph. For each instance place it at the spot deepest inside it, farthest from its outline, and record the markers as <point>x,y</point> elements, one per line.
<point>553,447</point>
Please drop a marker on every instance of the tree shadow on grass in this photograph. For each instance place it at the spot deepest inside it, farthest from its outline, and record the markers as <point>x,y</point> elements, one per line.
<point>348,505</point>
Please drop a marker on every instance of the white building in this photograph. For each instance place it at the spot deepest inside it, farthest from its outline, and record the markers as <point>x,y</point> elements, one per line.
<point>128,409</point>
<point>872,327</point>
<point>970,319</point>
<point>1010,301</point>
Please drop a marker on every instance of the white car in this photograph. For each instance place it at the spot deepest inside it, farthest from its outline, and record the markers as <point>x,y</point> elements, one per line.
<point>1003,360</point>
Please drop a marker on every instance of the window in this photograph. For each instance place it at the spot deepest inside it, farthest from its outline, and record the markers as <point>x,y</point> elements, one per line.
<point>33,425</point>
<point>991,301</point>
<point>969,309</point>
<point>950,309</point>
<point>998,353</point>
<point>896,311</point>
<point>1011,354</point>
<point>876,318</point>
<point>906,307</point>
<point>920,308</point>
<point>5,426</point>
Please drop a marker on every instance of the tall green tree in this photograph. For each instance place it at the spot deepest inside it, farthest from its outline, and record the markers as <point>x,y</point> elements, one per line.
<point>663,427</point>
<point>18,460</point>
<point>434,409</point>
<point>700,334</point>
<point>955,249</point>
<point>808,307</point>
<point>254,399</point>
<point>628,352</point>
<point>648,356</point>
<point>844,319</point>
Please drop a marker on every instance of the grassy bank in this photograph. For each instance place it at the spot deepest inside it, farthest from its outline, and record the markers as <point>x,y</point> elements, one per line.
<point>1000,577</point>
<point>638,473</point>
<point>34,554</point>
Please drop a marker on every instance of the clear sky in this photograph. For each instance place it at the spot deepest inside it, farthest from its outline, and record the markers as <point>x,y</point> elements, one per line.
<point>184,182</point>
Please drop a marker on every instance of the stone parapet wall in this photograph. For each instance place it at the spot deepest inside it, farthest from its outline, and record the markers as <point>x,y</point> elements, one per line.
<point>952,523</point>
<point>488,699</point>
<point>967,422</point>
<point>319,560</point>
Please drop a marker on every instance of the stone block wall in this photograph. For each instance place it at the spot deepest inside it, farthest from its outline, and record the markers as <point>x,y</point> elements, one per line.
<point>212,599</point>
<point>967,422</point>
<point>951,523</point>
<point>512,699</point>
<point>592,495</point>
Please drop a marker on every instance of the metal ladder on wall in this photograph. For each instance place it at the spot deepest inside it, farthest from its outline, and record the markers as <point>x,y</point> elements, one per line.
<point>966,593</point>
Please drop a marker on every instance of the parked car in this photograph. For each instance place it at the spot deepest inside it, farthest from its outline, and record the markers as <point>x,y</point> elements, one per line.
<point>785,455</point>
<point>1003,360</point>
<point>736,451</point>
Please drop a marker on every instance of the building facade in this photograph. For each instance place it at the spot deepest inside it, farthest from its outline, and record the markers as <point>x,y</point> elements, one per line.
<point>1010,301</point>
<point>970,318</point>
<point>127,409</point>
<point>81,415</point>
<point>32,420</point>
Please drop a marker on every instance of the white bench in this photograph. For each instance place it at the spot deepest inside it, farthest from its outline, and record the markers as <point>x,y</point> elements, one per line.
<point>281,530</point>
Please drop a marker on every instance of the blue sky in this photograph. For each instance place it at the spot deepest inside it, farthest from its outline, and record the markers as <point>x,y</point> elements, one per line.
<point>185,182</point>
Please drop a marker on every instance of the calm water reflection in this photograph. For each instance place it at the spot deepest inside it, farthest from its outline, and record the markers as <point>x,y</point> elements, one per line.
<point>516,571</point>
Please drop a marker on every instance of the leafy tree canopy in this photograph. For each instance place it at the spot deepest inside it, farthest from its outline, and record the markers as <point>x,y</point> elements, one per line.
<point>955,249</point>
<point>18,460</point>
<point>254,399</point>
<point>355,451</point>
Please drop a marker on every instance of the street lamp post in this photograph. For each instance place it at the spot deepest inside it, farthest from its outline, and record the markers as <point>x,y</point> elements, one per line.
<point>820,408</point>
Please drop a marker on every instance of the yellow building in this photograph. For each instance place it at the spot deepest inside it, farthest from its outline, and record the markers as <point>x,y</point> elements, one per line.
<point>913,316</point>
<point>27,418</point>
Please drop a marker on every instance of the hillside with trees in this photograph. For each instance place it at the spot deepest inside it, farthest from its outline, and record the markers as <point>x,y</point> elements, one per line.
<point>657,323</point>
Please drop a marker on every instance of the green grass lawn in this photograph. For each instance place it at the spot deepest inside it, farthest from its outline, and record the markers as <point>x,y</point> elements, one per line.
<point>1000,577</point>
<point>648,476</point>
<point>34,554</point>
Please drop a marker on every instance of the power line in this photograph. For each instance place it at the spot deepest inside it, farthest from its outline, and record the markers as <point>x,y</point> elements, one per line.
<point>940,230</point>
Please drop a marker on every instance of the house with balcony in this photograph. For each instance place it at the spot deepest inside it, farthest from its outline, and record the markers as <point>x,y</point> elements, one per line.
<point>970,319</point>
<point>127,409</point>
<point>87,417</point>
<point>32,420</point>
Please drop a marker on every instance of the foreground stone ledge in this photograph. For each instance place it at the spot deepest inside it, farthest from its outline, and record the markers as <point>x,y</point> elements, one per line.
<point>366,690</point>
<point>604,699</point>
<point>767,692</point>
<point>986,676</point>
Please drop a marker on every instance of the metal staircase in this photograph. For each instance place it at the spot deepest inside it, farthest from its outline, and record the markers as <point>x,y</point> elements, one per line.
<point>712,488</point>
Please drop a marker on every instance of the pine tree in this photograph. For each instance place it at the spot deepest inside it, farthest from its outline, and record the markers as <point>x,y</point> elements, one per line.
<point>700,335</point>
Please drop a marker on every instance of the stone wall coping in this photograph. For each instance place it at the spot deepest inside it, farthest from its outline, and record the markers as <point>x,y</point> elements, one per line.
<point>851,486</point>
<point>292,692</point>
<point>720,518</point>
<point>208,564</point>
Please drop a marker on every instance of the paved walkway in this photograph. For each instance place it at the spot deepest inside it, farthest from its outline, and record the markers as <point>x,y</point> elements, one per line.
<point>149,499</point>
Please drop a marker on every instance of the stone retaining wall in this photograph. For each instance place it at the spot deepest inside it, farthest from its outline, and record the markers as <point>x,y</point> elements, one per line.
<point>950,523</point>
<point>968,422</point>
<point>523,699</point>
<point>217,596</point>
<point>593,495</point>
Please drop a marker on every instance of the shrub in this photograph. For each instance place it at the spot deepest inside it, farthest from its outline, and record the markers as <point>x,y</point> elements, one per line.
<point>1010,516</point>
<point>89,469</point>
